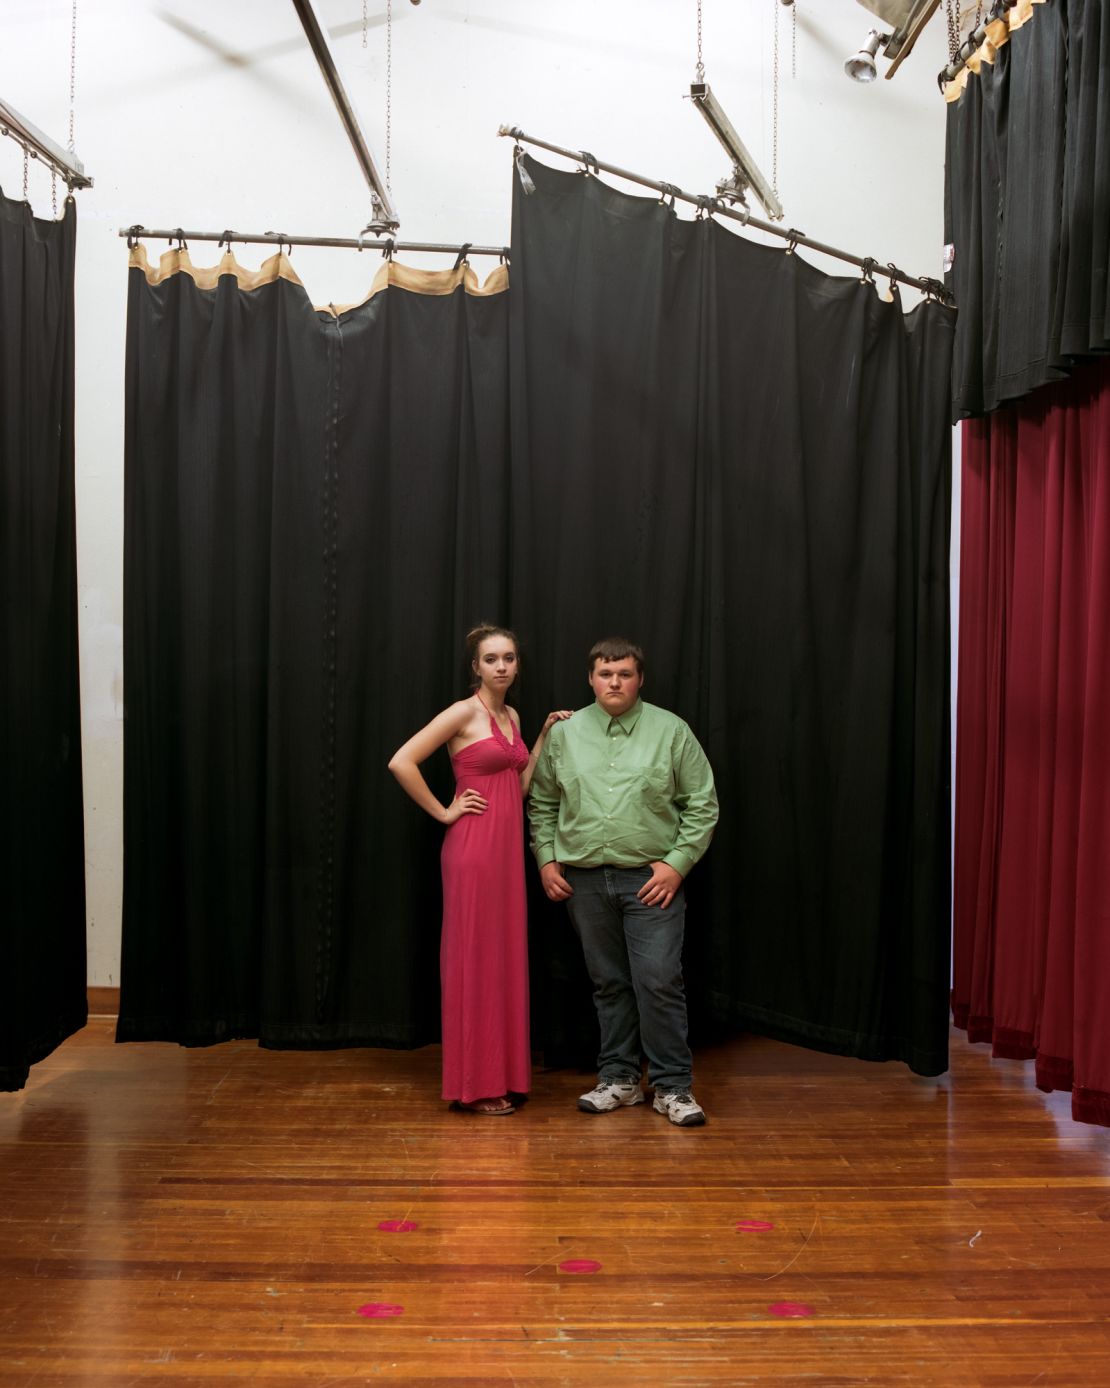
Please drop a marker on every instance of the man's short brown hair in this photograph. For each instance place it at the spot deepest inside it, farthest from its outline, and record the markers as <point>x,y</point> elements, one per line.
<point>616,648</point>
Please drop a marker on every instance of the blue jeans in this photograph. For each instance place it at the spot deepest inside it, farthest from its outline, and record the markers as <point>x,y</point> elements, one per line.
<point>634,958</point>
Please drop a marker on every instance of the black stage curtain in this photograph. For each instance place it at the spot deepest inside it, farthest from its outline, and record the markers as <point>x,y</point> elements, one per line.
<point>315,507</point>
<point>42,853</point>
<point>715,449</point>
<point>1027,207</point>
<point>745,464</point>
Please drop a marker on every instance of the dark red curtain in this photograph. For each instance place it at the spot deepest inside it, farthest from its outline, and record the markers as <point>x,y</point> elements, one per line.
<point>1032,851</point>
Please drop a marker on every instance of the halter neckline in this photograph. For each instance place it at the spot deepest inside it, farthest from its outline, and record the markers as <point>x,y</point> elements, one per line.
<point>497,726</point>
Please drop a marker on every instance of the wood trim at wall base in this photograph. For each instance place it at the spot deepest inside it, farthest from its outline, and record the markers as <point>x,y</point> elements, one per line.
<point>103,1002</point>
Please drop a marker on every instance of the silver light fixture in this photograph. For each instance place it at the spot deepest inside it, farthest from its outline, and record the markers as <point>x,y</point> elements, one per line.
<point>745,171</point>
<point>860,67</point>
<point>902,21</point>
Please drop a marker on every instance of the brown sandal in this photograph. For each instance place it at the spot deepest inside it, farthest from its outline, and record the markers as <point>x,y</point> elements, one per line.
<point>488,1108</point>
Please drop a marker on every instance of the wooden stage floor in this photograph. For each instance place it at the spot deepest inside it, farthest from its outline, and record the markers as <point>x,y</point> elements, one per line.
<point>219,1216</point>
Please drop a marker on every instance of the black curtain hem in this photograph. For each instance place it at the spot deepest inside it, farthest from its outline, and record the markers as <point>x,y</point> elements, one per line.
<point>291,1038</point>
<point>832,1040</point>
<point>14,1076</point>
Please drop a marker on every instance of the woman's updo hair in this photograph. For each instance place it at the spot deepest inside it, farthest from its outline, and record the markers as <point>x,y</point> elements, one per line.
<point>482,632</point>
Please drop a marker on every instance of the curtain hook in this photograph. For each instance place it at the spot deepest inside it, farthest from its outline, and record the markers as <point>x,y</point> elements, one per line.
<point>893,271</point>
<point>588,160</point>
<point>667,191</point>
<point>504,257</point>
<point>133,233</point>
<point>867,270</point>
<point>388,249</point>
<point>522,173</point>
<point>179,237</point>
<point>461,259</point>
<point>225,239</point>
<point>792,235</point>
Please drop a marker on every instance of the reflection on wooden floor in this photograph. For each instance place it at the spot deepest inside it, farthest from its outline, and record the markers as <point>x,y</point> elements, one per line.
<point>211,1216</point>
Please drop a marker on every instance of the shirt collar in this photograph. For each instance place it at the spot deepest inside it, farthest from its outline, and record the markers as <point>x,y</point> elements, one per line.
<point>626,722</point>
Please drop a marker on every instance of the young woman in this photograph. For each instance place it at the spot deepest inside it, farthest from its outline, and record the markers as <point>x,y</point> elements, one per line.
<point>484,946</point>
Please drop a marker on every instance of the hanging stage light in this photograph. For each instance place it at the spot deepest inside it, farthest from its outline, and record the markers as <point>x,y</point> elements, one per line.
<point>860,67</point>
<point>903,21</point>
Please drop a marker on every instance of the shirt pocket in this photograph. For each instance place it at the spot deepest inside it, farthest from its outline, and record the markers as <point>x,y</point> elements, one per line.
<point>655,786</point>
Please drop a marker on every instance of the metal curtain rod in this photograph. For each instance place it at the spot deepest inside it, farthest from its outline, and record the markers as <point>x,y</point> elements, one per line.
<point>932,287</point>
<point>40,146</point>
<point>279,238</point>
<point>384,214</point>
<point>972,44</point>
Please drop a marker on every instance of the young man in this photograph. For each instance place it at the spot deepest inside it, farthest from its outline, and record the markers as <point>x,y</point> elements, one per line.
<point>622,807</point>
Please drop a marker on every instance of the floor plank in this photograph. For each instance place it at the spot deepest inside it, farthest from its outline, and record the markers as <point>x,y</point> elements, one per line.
<point>212,1216</point>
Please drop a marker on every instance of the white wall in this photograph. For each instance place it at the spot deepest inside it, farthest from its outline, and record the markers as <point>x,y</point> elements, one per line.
<point>211,113</point>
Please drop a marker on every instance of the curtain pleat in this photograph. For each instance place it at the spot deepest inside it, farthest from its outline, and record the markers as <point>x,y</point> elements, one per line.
<point>1032,863</point>
<point>1027,207</point>
<point>42,858</point>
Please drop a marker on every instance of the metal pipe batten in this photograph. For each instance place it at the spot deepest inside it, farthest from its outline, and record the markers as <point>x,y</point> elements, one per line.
<point>40,146</point>
<point>972,44</point>
<point>931,287</point>
<point>317,39</point>
<point>277,238</point>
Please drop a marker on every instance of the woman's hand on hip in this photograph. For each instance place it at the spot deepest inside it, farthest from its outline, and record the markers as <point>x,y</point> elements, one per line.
<point>469,802</point>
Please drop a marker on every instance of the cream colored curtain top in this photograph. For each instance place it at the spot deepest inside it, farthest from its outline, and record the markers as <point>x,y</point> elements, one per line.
<point>178,262</point>
<point>998,35</point>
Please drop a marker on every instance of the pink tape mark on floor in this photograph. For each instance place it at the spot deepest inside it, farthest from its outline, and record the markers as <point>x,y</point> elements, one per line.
<point>791,1310</point>
<point>398,1226</point>
<point>579,1265</point>
<point>379,1310</point>
<point>753,1226</point>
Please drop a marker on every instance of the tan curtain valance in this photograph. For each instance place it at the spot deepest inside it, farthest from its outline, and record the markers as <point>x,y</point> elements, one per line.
<point>177,261</point>
<point>998,35</point>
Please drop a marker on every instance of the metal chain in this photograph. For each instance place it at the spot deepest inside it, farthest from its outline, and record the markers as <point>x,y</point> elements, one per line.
<point>953,21</point>
<point>72,72</point>
<point>794,39</point>
<point>388,94</point>
<point>26,166</point>
<point>699,69</point>
<point>775,106</point>
<point>365,23</point>
<point>54,191</point>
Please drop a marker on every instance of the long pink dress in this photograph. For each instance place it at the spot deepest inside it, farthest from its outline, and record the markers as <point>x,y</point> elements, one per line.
<point>483,956</point>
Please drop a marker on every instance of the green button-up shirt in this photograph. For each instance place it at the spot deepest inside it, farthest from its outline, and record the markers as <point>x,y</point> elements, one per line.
<point>624,791</point>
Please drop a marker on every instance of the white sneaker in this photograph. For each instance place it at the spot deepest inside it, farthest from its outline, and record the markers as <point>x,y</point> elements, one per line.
<point>610,1094</point>
<point>680,1106</point>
